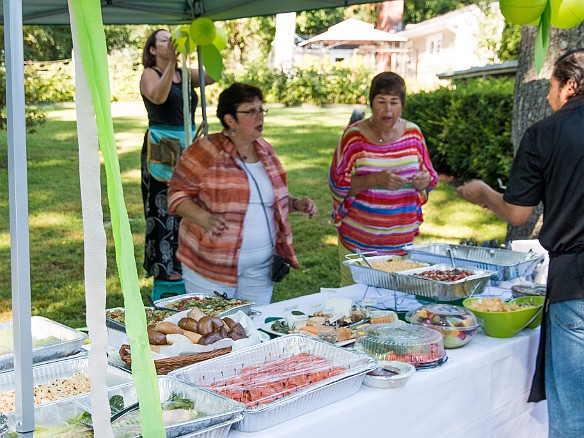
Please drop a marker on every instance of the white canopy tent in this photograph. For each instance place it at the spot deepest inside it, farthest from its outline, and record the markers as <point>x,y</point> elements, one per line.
<point>14,14</point>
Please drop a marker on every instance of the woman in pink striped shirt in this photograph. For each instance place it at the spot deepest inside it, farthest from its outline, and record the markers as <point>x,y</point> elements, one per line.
<point>380,176</point>
<point>231,191</point>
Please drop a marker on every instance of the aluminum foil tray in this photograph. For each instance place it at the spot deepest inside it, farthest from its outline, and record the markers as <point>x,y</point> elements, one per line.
<point>506,264</point>
<point>442,290</point>
<point>69,341</point>
<point>61,369</point>
<point>293,405</point>
<point>245,308</point>
<point>374,277</point>
<point>219,431</point>
<point>218,410</point>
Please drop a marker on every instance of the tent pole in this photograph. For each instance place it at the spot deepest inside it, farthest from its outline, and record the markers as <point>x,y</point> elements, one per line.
<point>19,233</point>
<point>202,83</point>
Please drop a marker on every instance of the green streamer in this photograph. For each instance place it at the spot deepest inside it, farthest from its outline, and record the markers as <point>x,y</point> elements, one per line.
<point>542,38</point>
<point>93,54</point>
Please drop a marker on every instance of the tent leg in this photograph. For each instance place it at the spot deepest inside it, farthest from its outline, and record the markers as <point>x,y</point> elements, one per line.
<point>19,233</point>
<point>202,83</point>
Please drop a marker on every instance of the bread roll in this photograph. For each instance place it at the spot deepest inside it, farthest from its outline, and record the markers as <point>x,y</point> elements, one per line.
<point>195,313</point>
<point>344,334</point>
<point>194,337</point>
<point>210,338</point>
<point>168,328</point>
<point>315,321</point>
<point>208,324</point>
<point>230,323</point>
<point>175,338</point>
<point>156,338</point>
<point>155,348</point>
<point>188,324</point>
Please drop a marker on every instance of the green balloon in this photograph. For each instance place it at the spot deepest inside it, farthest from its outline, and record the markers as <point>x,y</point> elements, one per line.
<point>522,11</point>
<point>202,31</point>
<point>567,13</point>
<point>212,61</point>
<point>220,41</point>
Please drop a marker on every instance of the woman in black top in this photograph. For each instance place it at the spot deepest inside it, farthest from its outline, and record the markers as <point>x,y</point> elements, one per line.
<point>161,89</point>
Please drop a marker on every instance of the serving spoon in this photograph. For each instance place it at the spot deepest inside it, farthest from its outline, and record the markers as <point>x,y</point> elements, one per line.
<point>360,254</point>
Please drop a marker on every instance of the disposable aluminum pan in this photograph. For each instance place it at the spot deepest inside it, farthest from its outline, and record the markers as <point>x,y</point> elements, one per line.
<point>219,431</point>
<point>506,264</point>
<point>245,308</point>
<point>68,341</point>
<point>3,425</point>
<point>42,374</point>
<point>363,274</point>
<point>216,409</point>
<point>298,403</point>
<point>443,290</point>
<point>116,330</point>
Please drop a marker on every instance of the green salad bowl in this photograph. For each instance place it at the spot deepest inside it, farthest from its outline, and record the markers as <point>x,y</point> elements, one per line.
<point>508,324</point>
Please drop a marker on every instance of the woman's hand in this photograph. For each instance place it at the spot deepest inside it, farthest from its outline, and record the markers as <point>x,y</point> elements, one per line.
<point>422,179</point>
<point>305,205</point>
<point>215,226</point>
<point>386,179</point>
<point>172,54</point>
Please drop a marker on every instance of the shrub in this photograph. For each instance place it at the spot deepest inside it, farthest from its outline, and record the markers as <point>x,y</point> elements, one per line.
<point>467,128</point>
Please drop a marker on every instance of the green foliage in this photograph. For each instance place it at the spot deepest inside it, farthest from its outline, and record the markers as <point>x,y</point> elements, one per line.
<point>416,11</point>
<point>310,23</point>
<point>34,115</point>
<point>52,82</point>
<point>467,127</point>
<point>510,42</point>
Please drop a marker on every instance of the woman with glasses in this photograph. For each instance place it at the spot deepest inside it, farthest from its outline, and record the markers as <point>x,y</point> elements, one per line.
<point>161,89</point>
<point>231,191</point>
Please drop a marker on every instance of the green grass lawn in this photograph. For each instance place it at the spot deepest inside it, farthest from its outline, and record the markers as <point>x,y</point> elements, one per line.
<point>304,137</point>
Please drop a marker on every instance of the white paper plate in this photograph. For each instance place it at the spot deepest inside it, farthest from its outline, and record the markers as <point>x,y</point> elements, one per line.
<point>267,327</point>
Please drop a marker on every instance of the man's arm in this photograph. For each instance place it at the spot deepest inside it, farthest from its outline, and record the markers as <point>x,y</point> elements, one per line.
<point>477,192</point>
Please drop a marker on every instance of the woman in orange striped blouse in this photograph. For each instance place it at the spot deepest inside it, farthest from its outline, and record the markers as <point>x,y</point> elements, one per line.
<point>231,191</point>
<point>380,176</point>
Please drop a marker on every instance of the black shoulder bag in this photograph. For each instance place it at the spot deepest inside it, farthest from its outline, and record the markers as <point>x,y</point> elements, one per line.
<point>280,267</point>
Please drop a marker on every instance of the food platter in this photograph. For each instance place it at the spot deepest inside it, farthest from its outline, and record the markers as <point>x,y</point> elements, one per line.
<point>267,327</point>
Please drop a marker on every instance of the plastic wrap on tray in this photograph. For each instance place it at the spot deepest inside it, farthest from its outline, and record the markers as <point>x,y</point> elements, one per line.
<point>219,431</point>
<point>210,305</point>
<point>506,264</point>
<point>382,274</point>
<point>276,389</point>
<point>50,339</point>
<point>56,380</point>
<point>470,285</point>
<point>62,418</point>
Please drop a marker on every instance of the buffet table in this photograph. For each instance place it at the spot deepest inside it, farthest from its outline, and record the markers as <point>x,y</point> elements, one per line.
<point>481,391</point>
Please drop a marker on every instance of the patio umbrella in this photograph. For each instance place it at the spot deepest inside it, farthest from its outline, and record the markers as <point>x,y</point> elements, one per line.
<point>354,32</point>
<point>14,14</point>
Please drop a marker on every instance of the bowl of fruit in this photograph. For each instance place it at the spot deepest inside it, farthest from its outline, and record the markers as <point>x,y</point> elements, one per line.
<point>456,324</point>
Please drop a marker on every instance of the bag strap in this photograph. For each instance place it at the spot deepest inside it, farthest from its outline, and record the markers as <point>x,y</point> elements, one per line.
<point>261,199</point>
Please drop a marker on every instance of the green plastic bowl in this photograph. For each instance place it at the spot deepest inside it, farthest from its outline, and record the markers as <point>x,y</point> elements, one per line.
<point>536,300</point>
<point>508,324</point>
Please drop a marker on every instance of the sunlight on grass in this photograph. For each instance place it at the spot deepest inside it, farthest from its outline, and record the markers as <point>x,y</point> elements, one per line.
<point>131,175</point>
<point>330,240</point>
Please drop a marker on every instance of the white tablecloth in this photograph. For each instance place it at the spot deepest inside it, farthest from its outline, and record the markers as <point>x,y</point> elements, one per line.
<point>481,391</point>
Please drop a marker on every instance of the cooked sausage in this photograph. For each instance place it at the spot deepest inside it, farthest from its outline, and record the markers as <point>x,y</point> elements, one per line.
<point>188,324</point>
<point>194,337</point>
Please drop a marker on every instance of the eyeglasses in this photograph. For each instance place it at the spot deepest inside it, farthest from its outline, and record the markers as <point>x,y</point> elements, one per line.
<point>254,112</point>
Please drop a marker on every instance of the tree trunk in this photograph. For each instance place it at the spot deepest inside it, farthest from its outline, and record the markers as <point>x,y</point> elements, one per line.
<point>530,103</point>
<point>389,18</point>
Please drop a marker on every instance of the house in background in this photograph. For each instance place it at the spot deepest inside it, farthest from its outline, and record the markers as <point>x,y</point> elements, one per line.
<point>442,44</point>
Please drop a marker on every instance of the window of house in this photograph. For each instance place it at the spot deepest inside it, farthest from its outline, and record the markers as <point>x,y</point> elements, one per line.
<point>434,44</point>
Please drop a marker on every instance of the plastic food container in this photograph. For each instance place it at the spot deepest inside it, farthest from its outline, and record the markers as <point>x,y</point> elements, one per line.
<point>390,374</point>
<point>414,344</point>
<point>528,290</point>
<point>456,324</point>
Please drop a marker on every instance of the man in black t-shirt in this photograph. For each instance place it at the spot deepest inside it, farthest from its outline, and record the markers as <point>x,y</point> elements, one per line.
<point>549,168</point>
